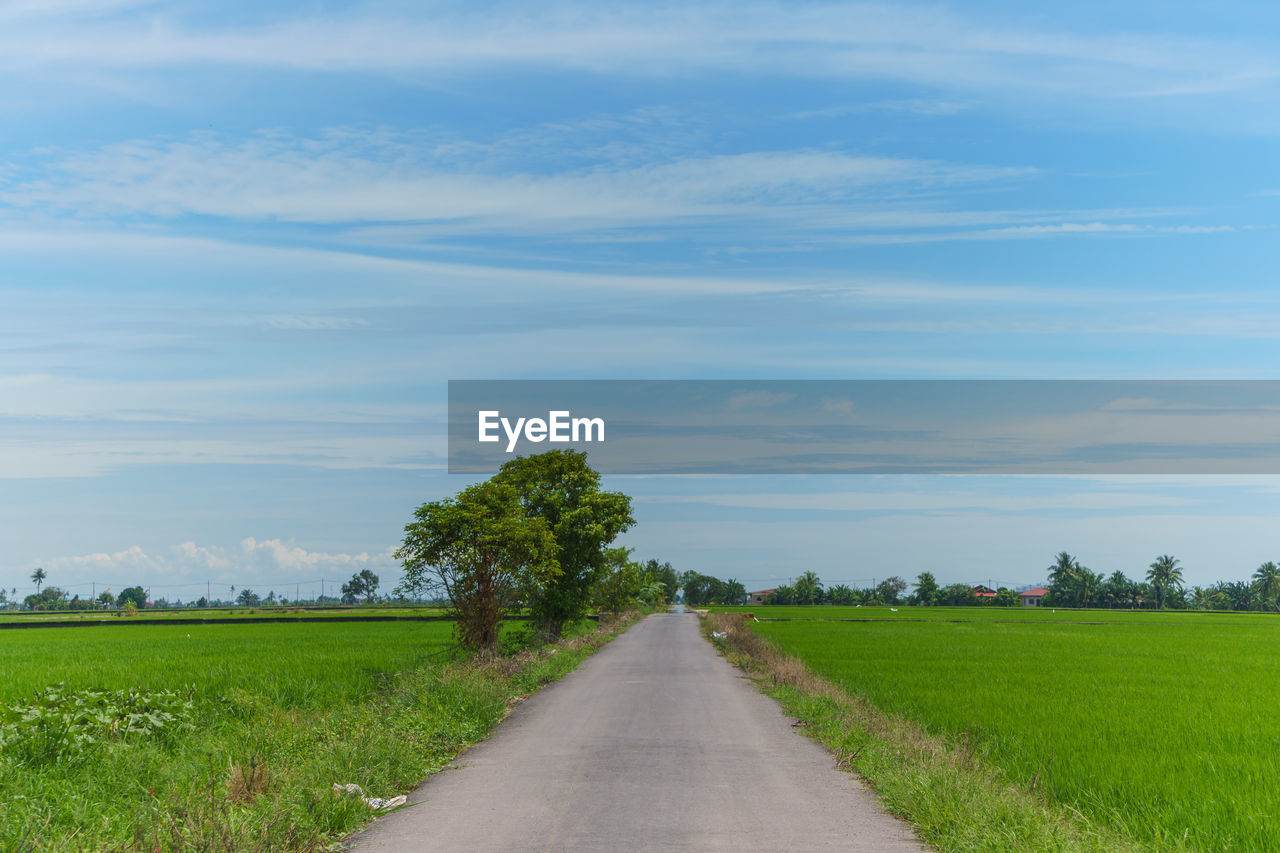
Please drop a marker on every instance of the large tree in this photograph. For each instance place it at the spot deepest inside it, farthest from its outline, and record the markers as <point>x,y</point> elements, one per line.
<point>1164,574</point>
<point>622,582</point>
<point>891,589</point>
<point>559,488</point>
<point>37,577</point>
<point>363,583</point>
<point>135,595</point>
<point>663,573</point>
<point>701,589</point>
<point>481,550</point>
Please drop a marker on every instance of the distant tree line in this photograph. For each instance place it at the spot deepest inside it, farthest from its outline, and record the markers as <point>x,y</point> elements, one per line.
<point>1074,585</point>
<point>1070,584</point>
<point>362,586</point>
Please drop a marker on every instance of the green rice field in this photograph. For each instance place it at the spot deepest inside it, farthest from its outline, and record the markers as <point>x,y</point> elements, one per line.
<point>293,666</point>
<point>223,737</point>
<point>1164,726</point>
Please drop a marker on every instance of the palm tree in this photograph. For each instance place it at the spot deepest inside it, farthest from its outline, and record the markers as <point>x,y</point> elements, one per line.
<point>1267,581</point>
<point>734,591</point>
<point>1116,589</point>
<point>1164,574</point>
<point>1063,574</point>
<point>1090,586</point>
<point>38,577</point>
<point>782,594</point>
<point>808,588</point>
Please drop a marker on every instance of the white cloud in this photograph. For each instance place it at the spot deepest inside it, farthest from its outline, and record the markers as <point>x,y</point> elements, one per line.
<point>906,43</point>
<point>355,178</point>
<point>413,191</point>
<point>183,570</point>
<point>408,191</point>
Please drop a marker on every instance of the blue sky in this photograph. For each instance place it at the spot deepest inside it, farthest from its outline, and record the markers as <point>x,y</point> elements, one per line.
<point>242,251</point>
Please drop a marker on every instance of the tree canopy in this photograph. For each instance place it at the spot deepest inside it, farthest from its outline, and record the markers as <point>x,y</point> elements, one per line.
<point>363,584</point>
<point>559,488</point>
<point>482,551</point>
<point>1164,574</point>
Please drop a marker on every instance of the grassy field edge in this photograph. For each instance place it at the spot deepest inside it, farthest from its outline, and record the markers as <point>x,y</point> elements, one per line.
<point>954,802</point>
<point>249,774</point>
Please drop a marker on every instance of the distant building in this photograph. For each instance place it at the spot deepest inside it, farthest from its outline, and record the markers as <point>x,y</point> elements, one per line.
<point>1032,597</point>
<point>981,591</point>
<point>758,596</point>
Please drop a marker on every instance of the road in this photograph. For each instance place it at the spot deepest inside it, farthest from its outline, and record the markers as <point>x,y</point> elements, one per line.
<point>654,743</point>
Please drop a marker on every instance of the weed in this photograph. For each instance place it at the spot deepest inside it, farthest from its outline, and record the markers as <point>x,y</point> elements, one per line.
<point>246,781</point>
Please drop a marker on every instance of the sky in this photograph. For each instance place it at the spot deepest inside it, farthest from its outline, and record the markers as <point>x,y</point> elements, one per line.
<point>243,249</point>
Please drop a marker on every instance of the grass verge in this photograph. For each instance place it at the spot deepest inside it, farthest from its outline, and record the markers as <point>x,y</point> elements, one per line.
<point>955,802</point>
<point>241,772</point>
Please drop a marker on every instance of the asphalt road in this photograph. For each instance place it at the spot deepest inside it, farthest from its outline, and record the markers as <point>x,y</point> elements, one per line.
<point>654,743</point>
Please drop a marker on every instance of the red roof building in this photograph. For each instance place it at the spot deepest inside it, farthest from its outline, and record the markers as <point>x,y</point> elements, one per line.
<point>1032,597</point>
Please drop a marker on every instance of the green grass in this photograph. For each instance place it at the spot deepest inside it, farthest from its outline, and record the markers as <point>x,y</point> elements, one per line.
<point>196,614</point>
<point>293,708</point>
<point>1160,725</point>
<point>292,666</point>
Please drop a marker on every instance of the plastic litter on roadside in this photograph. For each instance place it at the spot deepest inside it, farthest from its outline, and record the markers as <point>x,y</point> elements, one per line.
<point>379,804</point>
<point>376,803</point>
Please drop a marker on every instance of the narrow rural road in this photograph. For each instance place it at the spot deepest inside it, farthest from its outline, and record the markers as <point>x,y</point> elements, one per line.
<point>654,743</point>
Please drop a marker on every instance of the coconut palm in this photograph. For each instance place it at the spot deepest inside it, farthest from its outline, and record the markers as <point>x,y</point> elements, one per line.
<point>1090,586</point>
<point>1267,581</point>
<point>1064,575</point>
<point>1164,574</point>
<point>808,588</point>
<point>1116,589</point>
<point>38,577</point>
